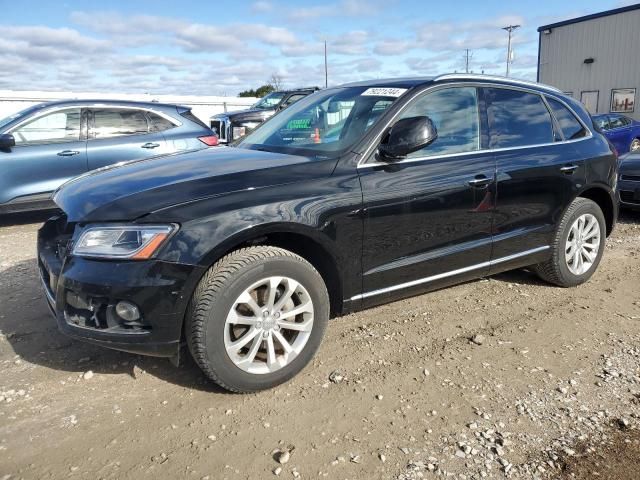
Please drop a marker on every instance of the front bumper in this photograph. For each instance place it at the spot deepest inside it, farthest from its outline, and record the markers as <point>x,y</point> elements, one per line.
<point>629,191</point>
<point>82,294</point>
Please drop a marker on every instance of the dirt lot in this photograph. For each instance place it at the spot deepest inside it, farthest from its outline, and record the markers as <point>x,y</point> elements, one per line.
<point>550,388</point>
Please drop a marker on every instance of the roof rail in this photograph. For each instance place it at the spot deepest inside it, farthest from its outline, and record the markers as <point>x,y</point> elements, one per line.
<point>477,76</point>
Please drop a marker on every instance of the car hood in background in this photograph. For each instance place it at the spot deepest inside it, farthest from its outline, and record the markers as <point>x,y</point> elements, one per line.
<point>254,114</point>
<point>128,191</point>
<point>630,164</point>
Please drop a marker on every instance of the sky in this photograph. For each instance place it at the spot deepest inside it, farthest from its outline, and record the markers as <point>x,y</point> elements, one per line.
<point>221,48</point>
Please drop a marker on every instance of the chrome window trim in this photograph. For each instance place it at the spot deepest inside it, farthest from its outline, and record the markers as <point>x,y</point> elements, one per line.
<point>54,109</point>
<point>439,276</point>
<point>363,161</point>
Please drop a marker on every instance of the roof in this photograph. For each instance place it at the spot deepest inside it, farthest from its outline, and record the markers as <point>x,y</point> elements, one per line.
<point>593,16</point>
<point>102,101</point>
<point>391,82</point>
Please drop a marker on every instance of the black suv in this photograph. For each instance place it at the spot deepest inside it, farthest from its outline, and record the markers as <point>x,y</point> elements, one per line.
<point>354,196</point>
<point>231,126</point>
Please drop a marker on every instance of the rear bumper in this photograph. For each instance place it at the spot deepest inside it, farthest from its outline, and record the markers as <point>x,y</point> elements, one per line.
<point>82,294</point>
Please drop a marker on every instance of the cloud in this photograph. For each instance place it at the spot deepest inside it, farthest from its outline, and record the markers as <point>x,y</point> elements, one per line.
<point>348,8</point>
<point>261,7</point>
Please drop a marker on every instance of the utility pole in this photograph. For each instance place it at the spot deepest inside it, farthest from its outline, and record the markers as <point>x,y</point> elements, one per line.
<point>467,57</point>
<point>509,29</point>
<point>326,71</point>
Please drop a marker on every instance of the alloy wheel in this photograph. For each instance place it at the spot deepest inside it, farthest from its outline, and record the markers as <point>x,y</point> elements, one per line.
<point>583,244</point>
<point>635,145</point>
<point>268,325</point>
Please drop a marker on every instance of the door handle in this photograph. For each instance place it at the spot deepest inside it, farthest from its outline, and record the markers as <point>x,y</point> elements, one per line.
<point>151,145</point>
<point>569,169</point>
<point>480,181</point>
<point>68,153</point>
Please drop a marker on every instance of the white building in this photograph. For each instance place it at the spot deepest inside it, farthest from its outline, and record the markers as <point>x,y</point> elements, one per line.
<point>595,59</point>
<point>12,101</point>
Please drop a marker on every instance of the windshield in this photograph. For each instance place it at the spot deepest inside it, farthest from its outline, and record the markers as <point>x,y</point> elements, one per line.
<point>325,124</point>
<point>269,101</point>
<point>6,121</point>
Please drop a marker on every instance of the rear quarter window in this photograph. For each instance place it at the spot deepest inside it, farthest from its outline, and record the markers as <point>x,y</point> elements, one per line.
<point>569,125</point>
<point>517,118</point>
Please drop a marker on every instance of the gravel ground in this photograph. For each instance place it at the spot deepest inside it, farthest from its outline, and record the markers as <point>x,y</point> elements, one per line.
<point>502,377</point>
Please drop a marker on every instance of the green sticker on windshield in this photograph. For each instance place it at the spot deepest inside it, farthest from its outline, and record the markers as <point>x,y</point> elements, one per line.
<point>301,124</point>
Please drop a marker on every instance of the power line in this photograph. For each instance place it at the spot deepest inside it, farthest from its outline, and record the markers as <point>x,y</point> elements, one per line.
<point>509,29</point>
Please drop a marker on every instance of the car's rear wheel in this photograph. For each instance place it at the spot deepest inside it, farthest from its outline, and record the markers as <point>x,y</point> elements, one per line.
<point>577,247</point>
<point>257,318</point>
<point>635,145</point>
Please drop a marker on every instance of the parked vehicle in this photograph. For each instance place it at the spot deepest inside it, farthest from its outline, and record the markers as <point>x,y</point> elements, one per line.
<point>623,132</point>
<point>246,252</point>
<point>629,182</point>
<point>231,126</point>
<point>44,146</point>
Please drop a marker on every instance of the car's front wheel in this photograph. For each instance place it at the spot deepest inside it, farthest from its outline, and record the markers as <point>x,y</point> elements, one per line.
<point>635,145</point>
<point>577,246</point>
<point>257,318</point>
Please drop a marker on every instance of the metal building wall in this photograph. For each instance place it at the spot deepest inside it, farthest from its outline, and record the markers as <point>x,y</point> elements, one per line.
<point>614,44</point>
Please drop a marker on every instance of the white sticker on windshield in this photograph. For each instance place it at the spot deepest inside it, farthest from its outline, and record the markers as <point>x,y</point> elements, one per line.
<point>384,92</point>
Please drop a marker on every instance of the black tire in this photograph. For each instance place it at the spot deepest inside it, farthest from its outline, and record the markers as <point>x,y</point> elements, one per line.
<point>214,297</point>
<point>555,270</point>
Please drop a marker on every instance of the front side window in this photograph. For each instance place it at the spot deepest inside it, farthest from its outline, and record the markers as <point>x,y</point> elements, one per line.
<point>454,112</point>
<point>56,127</point>
<point>293,99</point>
<point>324,124</point>
<point>616,121</point>
<point>113,122</point>
<point>569,124</point>
<point>602,122</point>
<point>269,101</point>
<point>517,118</point>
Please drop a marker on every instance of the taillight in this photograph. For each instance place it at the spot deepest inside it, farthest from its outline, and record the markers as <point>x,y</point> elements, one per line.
<point>209,140</point>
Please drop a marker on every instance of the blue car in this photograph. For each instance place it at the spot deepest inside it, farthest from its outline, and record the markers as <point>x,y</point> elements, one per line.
<point>623,132</point>
<point>45,145</point>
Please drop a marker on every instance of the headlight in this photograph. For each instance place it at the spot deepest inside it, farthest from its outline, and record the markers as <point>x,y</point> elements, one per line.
<point>136,242</point>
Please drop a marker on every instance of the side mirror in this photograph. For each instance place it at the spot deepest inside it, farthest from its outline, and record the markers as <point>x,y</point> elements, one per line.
<point>406,136</point>
<point>7,142</point>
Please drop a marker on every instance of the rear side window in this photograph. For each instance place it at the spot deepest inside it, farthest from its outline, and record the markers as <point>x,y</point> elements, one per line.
<point>190,116</point>
<point>56,127</point>
<point>118,122</point>
<point>569,124</point>
<point>454,112</point>
<point>616,121</point>
<point>158,123</point>
<point>517,118</point>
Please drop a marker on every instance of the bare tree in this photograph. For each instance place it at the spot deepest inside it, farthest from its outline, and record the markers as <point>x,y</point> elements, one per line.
<point>276,81</point>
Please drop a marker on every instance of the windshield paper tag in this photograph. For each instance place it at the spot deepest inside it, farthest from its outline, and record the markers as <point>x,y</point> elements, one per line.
<point>384,92</point>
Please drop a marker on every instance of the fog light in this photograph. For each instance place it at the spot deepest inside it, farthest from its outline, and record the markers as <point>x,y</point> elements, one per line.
<point>127,311</point>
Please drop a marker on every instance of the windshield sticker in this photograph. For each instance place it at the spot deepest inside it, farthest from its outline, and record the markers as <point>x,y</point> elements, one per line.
<point>383,92</point>
<point>299,124</point>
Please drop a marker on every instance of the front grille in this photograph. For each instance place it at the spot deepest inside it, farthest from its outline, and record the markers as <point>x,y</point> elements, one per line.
<point>630,178</point>
<point>629,197</point>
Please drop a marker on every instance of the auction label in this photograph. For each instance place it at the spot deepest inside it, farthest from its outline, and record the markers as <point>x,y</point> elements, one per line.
<point>384,92</point>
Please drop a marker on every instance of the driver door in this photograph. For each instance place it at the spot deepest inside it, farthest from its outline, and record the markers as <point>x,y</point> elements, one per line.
<point>428,216</point>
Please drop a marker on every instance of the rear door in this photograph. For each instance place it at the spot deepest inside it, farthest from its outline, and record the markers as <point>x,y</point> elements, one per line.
<point>428,217</point>
<point>121,134</point>
<point>539,170</point>
<point>50,149</point>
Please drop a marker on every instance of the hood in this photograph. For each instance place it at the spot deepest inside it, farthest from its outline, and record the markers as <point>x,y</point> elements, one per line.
<point>630,164</point>
<point>124,192</point>
<point>248,115</point>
